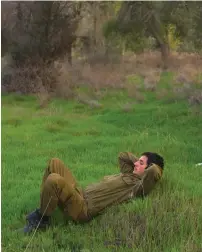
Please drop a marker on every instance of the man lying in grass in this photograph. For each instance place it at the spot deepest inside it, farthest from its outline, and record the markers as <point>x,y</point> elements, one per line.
<point>137,178</point>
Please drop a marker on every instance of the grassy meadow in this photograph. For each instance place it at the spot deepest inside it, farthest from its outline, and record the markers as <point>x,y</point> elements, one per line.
<point>88,139</point>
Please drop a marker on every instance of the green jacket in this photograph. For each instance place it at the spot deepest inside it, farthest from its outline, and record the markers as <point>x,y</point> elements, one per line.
<point>121,187</point>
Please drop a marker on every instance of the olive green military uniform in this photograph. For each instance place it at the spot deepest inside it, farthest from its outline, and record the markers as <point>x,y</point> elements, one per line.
<point>59,188</point>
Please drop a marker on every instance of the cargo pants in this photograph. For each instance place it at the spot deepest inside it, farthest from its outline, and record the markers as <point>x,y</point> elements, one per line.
<point>59,189</point>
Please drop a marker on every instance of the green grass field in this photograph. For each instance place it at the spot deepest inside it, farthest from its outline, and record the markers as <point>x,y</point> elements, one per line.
<point>89,140</point>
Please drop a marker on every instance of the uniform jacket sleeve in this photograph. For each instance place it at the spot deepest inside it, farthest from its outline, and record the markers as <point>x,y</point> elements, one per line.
<point>126,162</point>
<point>148,180</point>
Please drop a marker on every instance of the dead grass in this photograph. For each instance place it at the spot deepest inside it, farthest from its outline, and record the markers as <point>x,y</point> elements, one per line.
<point>187,73</point>
<point>186,68</point>
<point>195,98</point>
<point>161,94</point>
<point>60,79</point>
<point>127,107</point>
<point>84,99</point>
<point>151,80</point>
<point>43,97</point>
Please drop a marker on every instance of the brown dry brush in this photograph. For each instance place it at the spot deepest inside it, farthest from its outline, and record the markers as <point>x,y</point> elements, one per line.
<point>41,49</point>
<point>60,79</point>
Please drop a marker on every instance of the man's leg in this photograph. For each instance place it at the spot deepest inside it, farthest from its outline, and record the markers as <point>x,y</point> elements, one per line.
<point>55,165</point>
<point>58,188</point>
<point>57,191</point>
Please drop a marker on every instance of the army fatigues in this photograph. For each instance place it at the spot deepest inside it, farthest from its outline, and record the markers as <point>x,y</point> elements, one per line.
<point>59,188</point>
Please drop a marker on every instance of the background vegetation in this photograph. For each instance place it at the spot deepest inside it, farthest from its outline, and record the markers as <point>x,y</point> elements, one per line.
<point>54,46</point>
<point>83,81</point>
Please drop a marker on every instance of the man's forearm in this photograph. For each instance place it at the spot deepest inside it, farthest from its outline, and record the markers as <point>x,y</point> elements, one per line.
<point>126,162</point>
<point>148,180</point>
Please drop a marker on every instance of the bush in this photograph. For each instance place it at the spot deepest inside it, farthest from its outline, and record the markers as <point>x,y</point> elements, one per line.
<point>40,30</point>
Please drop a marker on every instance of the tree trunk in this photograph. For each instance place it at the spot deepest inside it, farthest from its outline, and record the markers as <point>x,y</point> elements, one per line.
<point>158,31</point>
<point>69,54</point>
<point>94,28</point>
<point>165,55</point>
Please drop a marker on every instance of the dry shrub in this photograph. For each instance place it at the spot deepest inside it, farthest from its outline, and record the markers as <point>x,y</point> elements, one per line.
<point>161,93</point>
<point>196,98</point>
<point>182,90</point>
<point>66,80</point>
<point>148,60</point>
<point>137,95</point>
<point>61,79</point>
<point>144,63</point>
<point>128,107</point>
<point>100,57</point>
<point>147,65</point>
<point>132,91</point>
<point>84,99</point>
<point>23,80</point>
<point>111,75</point>
<point>42,79</point>
<point>114,75</point>
<point>43,97</point>
<point>100,76</point>
<point>187,74</point>
<point>179,60</point>
<point>30,78</point>
<point>187,67</point>
<point>152,79</point>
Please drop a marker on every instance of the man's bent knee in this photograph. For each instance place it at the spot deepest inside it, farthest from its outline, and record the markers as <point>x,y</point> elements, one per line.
<point>53,164</point>
<point>55,179</point>
<point>54,160</point>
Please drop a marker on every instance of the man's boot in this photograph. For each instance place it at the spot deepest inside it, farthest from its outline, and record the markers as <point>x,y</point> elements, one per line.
<point>35,220</point>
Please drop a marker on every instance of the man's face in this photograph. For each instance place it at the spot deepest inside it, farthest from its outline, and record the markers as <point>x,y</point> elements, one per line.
<point>140,165</point>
